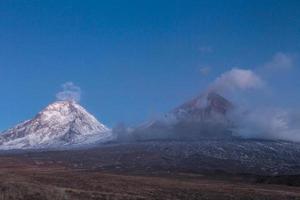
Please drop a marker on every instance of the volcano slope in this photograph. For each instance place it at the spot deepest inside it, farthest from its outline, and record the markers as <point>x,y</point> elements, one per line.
<point>155,170</point>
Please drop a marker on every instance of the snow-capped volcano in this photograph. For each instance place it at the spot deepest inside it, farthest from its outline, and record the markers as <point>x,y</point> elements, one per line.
<point>60,124</point>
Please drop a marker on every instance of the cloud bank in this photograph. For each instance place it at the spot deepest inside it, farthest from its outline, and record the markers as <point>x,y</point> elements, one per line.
<point>70,92</point>
<point>260,119</point>
<point>268,123</point>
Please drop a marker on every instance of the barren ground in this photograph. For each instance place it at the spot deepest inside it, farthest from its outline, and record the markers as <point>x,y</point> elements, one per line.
<point>24,179</point>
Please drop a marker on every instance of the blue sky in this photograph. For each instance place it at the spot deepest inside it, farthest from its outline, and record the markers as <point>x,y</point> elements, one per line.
<point>134,60</point>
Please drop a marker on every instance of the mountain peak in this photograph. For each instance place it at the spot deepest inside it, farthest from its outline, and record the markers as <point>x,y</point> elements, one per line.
<point>60,123</point>
<point>61,103</point>
<point>203,106</point>
<point>63,108</point>
<point>218,103</point>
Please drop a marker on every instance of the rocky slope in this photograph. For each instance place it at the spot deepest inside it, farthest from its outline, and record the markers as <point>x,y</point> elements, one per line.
<point>261,157</point>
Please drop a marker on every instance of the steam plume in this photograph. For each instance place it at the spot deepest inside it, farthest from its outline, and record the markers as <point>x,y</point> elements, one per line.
<point>70,92</point>
<point>236,79</point>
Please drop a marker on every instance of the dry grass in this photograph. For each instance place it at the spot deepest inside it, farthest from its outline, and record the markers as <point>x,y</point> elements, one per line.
<point>20,179</point>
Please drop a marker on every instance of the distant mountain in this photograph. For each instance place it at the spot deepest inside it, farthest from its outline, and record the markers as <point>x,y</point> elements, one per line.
<point>205,116</point>
<point>208,107</point>
<point>60,124</point>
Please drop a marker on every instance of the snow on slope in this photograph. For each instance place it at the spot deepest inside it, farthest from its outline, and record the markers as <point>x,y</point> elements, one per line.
<point>60,124</point>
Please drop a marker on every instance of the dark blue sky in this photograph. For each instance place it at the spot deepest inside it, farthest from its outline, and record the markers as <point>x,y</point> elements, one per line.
<point>136,59</point>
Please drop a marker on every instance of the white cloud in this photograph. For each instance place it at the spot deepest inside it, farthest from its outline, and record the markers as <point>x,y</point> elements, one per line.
<point>236,79</point>
<point>205,70</point>
<point>70,92</point>
<point>280,61</point>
